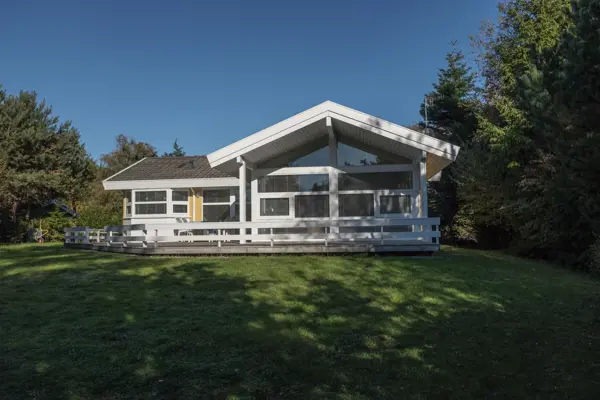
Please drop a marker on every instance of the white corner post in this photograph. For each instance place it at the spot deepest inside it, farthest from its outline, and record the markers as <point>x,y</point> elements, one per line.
<point>423,185</point>
<point>423,175</point>
<point>333,175</point>
<point>242,183</point>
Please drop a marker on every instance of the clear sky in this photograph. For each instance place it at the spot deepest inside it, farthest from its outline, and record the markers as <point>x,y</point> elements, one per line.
<point>210,73</point>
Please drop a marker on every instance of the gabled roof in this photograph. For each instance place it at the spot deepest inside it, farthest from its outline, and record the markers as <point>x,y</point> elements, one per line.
<point>154,168</point>
<point>350,126</point>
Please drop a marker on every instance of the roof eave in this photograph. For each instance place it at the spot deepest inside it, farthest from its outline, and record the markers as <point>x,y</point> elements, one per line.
<point>376,125</point>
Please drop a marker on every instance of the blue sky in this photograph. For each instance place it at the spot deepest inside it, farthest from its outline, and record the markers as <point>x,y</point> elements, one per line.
<point>210,73</point>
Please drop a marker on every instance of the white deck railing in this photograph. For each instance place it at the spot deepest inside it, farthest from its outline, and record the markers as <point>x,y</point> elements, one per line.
<point>327,231</point>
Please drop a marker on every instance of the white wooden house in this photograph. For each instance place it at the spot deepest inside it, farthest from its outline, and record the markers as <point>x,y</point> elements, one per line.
<point>328,179</point>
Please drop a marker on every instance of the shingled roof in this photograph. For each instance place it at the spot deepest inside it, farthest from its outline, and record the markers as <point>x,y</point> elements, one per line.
<point>152,168</point>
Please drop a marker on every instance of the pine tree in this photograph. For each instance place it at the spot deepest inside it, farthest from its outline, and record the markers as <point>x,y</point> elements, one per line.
<point>451,114</point>
<point>177,151</point>
<point>41,158</point>
<point>507,137</point>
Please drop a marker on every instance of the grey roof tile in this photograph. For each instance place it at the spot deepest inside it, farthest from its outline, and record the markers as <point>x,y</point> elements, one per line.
<point>188,167</point>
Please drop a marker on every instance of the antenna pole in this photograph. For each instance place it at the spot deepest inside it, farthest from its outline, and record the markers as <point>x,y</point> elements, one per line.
<point>426,121</point>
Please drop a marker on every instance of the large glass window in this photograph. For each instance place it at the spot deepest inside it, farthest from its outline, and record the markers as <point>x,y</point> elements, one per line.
<point>314,159</point>
<point>400,204</point>
<point>151,208</point>
<point>351,156</point>
<point>180,201</point>
<point>311,206</point>
<point>274,207</point>
<point>293,183</point>
<point>151,202</point>
<point>356,205</point>
<point>216,205</point>
<point>155,195</point>
<point>375,181</point>
<point>216,213</point>
<point>216,196</point>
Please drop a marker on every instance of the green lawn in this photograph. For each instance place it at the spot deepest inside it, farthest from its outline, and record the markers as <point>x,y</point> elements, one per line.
<point>463,324</point>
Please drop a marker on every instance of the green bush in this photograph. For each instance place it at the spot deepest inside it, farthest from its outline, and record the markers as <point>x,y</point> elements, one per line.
<point>594,259</point>
<point>52,226</point>
<point>99,216</point>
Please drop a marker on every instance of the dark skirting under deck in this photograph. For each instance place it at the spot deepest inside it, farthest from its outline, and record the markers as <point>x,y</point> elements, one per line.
<point>189,249</point>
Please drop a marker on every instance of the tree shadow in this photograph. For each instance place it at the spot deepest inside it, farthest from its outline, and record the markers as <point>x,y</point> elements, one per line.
<point>281,328</point>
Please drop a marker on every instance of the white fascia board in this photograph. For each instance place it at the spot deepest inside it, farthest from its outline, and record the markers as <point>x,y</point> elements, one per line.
<point>336,111</point>
<point>170,183</point>
<point>395,132</point>
<point>124,169</point>
<point>268,135</point>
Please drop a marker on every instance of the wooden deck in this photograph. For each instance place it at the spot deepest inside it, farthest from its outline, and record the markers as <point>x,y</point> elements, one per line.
<point>209,249</point>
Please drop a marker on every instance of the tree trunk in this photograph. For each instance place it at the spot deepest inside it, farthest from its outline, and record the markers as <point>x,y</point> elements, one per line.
<point>13,211</point>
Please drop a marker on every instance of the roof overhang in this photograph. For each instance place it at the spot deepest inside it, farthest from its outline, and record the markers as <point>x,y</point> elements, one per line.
<point>170,183</point>
<point>350,126</point>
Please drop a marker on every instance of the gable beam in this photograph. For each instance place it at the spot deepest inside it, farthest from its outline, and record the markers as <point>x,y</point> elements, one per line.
<point>333,143</point>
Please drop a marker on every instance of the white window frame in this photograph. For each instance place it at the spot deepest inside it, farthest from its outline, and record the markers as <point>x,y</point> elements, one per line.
<point>333,193</point>
<point>286,195</point>
<point>169,203</point>
<point>180,202</point>
<point>230,203</point>
<point>129,203</point>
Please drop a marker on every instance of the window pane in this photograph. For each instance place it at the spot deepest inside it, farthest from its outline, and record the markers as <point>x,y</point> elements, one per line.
<point>293,183</point>
<point>179,195</point>
<point>215,213</point>
<point>311,206</point>
<point>351,156</point>
<point>274,206</point>
<point>180,208</point>
<point>216,196</point>
<point>314,159</point>
<point>158,195</point>
<point>279,231</point>
<point>128,210</point>
<point>158,208</point>
<point>375,181</point>
<point>356,205</point>
<point>395,205</point>
<point>375,229</point>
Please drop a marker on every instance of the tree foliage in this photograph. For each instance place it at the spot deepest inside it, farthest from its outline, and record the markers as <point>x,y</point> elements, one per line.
<point>451,115</point>
<point>41,158</point>
<point>527,176</point>
<point>177,151</point>
<point>127,152</point>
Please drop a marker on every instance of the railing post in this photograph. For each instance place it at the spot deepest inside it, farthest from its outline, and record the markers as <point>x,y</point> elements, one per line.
<point>109,238</point>
<point>219,240</point>
<point>381,232</point>
<point>155,238</point>
<point>145,241</point>
<point>123,235</point>
<point>271,236</point>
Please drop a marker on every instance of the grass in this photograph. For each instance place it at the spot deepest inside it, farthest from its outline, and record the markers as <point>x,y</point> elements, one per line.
<point>464,324</point>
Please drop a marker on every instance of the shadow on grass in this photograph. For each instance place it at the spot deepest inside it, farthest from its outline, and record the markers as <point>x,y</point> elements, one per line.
<point>96,325</point>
